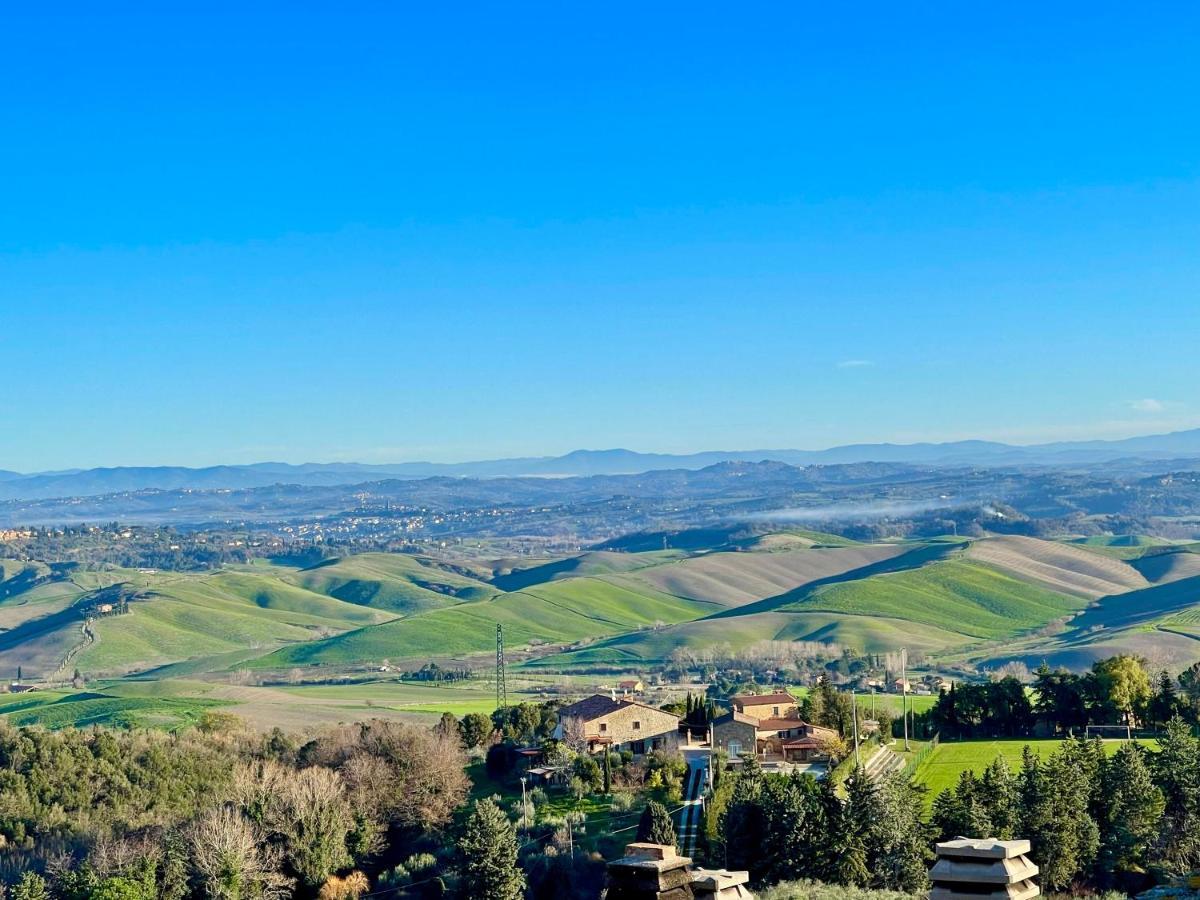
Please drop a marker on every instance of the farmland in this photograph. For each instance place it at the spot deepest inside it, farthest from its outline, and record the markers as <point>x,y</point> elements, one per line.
<point>250,628</point>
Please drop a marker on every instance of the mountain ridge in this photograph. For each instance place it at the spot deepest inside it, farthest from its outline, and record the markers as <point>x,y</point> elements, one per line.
<point>616,461</point>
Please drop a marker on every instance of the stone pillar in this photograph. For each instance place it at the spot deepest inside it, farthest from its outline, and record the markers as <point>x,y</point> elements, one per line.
<point>650,872</point>
<point>719,884</point>
<point>968,869</point>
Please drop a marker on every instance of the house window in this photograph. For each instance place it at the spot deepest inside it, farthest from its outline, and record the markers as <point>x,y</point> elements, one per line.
<point>735,748</point>
<point>603,727</point>
<point>775,711</point>
<point>637,726</point>
<point>638,747</point>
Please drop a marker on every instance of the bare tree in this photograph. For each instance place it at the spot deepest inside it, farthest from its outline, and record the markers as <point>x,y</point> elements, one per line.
<point>233,861</point>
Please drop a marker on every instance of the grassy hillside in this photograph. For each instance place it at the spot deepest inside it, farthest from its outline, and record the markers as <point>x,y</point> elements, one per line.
<point>944,604</point>
<point>735,579</point>
<point>187,617</point>
<point>966,597</point>
<point>395,583</point>
<point>595,562</point>
<point>1058,567</point>
<point>1169,565</point>
<point>555,612</point>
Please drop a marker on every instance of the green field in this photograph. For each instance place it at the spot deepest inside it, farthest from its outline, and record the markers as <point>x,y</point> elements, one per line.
<point>392,582</point>
<point>554,612</point>
<point>979,601</point>
<point>964,597</point>
<point>942,768</point>
<point>81,709</point>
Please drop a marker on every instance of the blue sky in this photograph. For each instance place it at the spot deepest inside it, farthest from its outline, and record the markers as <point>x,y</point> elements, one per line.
<point>387,232</point>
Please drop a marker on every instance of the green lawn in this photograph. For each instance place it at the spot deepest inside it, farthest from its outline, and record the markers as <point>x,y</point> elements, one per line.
<point>942,768</point>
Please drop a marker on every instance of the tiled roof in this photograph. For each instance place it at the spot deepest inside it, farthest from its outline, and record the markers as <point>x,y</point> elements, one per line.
<point>763,699</point>
<point>590,708</point>
<point>780,724</point>
<point>598,705</point>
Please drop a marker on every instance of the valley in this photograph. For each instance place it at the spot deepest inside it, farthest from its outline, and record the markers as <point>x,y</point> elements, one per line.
<point>286,643</point>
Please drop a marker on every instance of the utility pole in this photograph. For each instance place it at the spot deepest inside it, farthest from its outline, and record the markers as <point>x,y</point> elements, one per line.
<point>904,693</point>
<point>854,715</point>
<point>524,816</point>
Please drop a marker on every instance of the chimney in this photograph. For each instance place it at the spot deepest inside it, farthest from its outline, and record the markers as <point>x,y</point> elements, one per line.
<point>968,869</point>
<point>719,884</point>
<point>650,872</point>
<point>657,872</point>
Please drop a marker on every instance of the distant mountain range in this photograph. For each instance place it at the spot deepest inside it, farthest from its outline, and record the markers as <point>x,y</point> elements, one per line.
<point>93,482</point>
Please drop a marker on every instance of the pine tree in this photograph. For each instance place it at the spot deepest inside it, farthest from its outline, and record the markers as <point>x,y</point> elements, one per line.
<point>742,824</point>
<point>997,792</point>
<point>1132,810</point>
<point>905,855</point>
<point>1177,773</point>
<point>655,826</point>
<point>1055,812</point>
<point>1165,704</point>
<point>489,850</point>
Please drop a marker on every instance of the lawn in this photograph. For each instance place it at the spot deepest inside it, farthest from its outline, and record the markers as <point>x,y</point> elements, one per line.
<point>942,768</point>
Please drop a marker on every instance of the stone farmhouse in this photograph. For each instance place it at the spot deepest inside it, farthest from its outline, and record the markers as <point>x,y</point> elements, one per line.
<point>770,727</point>
<point>599,722</point>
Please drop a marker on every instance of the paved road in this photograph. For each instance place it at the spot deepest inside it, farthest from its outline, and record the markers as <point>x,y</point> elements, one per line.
<point>691,816</point>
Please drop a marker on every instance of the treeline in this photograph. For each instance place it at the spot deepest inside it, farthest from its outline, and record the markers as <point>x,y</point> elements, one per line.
<point>1117,691</point>
<point>1094,820</point>
<point>795,827</point>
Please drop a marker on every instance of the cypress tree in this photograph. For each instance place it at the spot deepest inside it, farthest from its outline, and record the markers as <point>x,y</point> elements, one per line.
<point>655,826</point>
<point>488,847</point>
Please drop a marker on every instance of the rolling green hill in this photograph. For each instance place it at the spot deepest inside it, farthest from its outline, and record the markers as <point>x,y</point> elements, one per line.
<point>554,612</point>
<point>966,597</point>
<point>938,604</point>
<point>987,599</point>
<point>396,583</point>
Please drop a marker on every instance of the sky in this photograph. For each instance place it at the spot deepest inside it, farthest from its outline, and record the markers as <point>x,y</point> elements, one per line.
<point>387,232</point>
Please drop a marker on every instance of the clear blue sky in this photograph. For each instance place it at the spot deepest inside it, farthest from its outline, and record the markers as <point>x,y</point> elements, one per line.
<point>390,231</point>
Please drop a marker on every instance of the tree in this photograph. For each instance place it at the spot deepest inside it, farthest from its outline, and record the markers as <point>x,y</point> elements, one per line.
<point>997,793</point>
<point>310,811</point>
<point>1123,684</point>
<point>474,729</point>
<point>1189,680</point>
<point>1166,702</point>
<point>447,726</point>
<point>1132,809</point>
<point>488,848</point>
<point>742,823</point>
<point>233,861</point>
<point>31,886</point>
<point>1055,812</point>
<point>654,827</point>
<point>1177,773</point>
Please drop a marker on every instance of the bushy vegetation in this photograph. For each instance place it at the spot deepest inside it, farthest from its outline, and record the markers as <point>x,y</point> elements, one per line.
<point>221,813</point>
